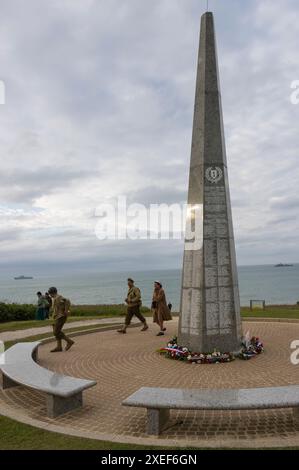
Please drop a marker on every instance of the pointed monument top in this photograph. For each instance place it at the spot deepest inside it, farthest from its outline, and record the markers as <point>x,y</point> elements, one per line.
<point>208,7</point>
<point>207,15</point>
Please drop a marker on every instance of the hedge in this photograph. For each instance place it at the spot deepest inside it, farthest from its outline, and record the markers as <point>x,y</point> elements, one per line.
<point>101,310</point>
<point>15,312</point>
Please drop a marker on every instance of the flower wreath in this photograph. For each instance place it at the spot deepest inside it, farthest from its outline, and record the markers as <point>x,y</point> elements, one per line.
<point>173,351</point>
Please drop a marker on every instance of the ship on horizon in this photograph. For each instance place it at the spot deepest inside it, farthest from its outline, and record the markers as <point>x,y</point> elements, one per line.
<point>18,278</point>
<point>281,265</point>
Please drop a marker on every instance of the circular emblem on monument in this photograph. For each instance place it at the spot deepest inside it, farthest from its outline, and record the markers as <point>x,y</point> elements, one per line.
<point>214,174</point>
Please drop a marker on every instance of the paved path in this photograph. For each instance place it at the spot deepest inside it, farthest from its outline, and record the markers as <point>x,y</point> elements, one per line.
<point>12,335</point>
<point>122,364</point>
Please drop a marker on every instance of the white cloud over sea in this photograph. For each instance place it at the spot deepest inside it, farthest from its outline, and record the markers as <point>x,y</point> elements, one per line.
<point>99,101</point>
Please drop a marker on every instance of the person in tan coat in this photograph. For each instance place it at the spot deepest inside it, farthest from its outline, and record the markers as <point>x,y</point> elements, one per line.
<point>61,307</point>
<point>161,311</point>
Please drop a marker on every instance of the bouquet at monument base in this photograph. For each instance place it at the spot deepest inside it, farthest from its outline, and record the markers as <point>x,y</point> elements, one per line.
<point>174,351</point>
<point>250,348</point>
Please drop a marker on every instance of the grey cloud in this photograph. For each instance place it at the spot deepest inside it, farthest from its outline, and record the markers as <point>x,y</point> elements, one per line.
<point>100,101</point>
<point>157,195</point>
<point>9,234</point>
<point>25,186</point>
<point>286,203</point>
<point>281,220</point>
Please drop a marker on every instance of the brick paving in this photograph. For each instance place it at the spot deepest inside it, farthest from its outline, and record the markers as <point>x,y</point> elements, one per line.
<point>123,363</point>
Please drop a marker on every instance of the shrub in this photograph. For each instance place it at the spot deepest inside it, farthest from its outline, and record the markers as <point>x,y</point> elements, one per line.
<point>23,312</point>
<point>15,312</point>
<point>101,310</point>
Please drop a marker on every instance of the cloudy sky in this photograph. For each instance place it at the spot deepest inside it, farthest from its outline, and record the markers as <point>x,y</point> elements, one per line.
<point>99,103</point>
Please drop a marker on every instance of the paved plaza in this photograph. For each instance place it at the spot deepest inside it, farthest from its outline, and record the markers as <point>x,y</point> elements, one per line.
<point>122,364</point>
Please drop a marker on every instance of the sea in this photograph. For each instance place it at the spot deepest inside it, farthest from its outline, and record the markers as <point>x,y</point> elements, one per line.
<point>275,285</point>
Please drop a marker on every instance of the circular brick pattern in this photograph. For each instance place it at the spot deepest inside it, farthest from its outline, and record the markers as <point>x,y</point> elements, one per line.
<point>121,364</point>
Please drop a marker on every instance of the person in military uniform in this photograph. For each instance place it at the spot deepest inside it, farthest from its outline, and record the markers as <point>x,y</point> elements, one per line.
<point>133,301</point>
<point>60,311</point>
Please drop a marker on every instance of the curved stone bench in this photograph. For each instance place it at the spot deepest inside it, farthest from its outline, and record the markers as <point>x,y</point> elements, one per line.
<point>18,367</point>
<point>159,401</point>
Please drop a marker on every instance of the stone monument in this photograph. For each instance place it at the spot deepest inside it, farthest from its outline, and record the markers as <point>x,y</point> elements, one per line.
<point>210,307</point>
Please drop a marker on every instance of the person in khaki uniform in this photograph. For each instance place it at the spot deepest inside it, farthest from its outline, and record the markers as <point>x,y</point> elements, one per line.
<point>133,301</point>
<point>60,311</point>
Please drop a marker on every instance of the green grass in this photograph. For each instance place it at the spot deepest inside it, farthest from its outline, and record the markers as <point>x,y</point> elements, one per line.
<point>28,324</point>
<point>272,311</point>
<point>19,436</point>
<point>15,435</point>
<point>89,328</point>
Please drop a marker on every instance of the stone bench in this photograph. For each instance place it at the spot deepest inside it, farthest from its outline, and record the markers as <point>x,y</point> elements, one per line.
<point>18,367</point>
<point>159,401</point>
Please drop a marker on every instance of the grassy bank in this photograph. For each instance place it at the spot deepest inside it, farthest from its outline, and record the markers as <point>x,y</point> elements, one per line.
<point>39,337</point>
<point>272,311</point>
<point>16,436</point>
<point>24,325</point>
<point>27,312</point>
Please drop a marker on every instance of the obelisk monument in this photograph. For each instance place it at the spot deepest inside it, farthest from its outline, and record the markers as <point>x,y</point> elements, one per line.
<point>210,305</point>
